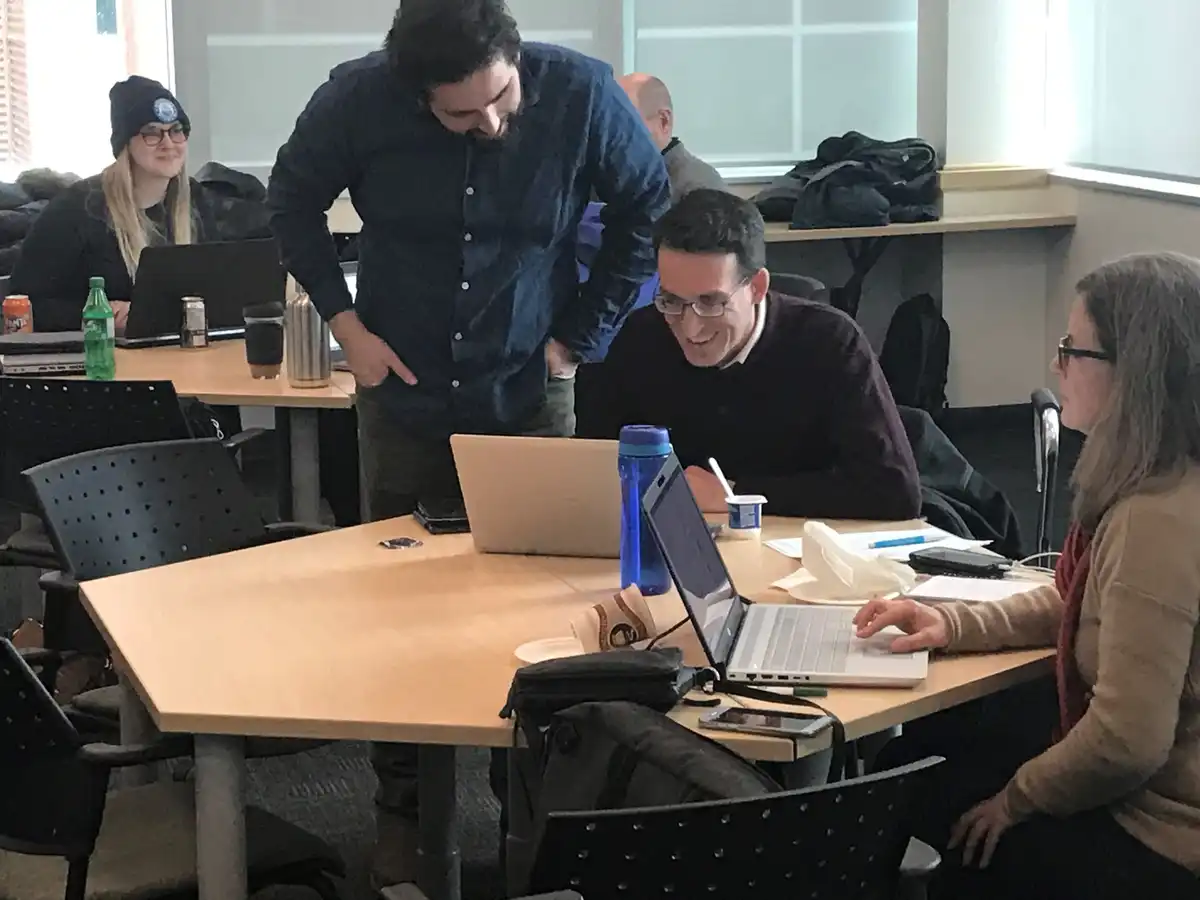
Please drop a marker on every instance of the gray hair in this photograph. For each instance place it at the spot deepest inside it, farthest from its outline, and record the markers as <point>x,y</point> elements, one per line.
<point>1146,310</point>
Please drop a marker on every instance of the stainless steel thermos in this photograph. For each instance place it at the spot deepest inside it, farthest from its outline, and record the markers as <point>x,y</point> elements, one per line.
<point>306,342</point>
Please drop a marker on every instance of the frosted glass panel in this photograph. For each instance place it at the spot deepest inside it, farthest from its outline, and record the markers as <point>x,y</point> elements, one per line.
<point>707,13</point>
<point>271,84</point>
<point>863,82</point>
<point>862,12</point>
<point>1135,83</point>
<point>725,109</point>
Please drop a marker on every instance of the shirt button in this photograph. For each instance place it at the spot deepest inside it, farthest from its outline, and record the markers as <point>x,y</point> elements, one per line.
<point>454,383</point>
<point>458,335</point>
<point>466,285</point>
<point>467,236</point>
<point>470,191</point>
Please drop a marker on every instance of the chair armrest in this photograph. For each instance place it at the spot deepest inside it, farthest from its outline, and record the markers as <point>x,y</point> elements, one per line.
<point>58,582</point>
<point>285,531</point>
<point>244,437</point>
<point>920,861</point>
<point>119,756</point>
<point>1042,400</point>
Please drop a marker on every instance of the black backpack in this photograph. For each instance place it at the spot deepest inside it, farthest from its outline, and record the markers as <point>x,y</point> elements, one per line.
<point>916,355</point>
<point>620,755</point>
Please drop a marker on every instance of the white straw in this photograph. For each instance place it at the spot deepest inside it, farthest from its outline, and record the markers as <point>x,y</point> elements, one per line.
<point>716,470</point>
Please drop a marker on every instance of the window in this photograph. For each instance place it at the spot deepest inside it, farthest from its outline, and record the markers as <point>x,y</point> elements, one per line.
<point>765,81</point>
<point>754,81</point>
<point>1126,82</point>
<point>57,62</point>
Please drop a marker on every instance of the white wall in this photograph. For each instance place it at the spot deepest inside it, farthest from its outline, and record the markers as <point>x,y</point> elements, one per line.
<point>1112,224</point>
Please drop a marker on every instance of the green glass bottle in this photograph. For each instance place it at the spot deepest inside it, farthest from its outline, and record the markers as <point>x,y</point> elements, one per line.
<point>99,334</point>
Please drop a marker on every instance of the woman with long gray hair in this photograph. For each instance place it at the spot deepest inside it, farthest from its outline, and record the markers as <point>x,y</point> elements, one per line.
<point>1109,804</point>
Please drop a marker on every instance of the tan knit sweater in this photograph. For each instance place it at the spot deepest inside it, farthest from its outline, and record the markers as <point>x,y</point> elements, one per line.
<point>1137,749</point>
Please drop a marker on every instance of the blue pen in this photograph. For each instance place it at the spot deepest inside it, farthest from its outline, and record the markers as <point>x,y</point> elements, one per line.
<point>901,542</point>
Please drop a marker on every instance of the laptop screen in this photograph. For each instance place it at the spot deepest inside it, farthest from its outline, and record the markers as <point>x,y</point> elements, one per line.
<point>695,563</point>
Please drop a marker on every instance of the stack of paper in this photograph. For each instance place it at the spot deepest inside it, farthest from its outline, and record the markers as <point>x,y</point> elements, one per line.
<point>941,588</point>
<point>860,542</point>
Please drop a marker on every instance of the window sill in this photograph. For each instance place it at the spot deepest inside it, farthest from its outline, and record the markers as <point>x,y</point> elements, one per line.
<point>752,174</point>
<point>1137,185</point>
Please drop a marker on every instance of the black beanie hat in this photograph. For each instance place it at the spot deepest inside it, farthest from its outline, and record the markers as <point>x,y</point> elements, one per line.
<point>135,103</point>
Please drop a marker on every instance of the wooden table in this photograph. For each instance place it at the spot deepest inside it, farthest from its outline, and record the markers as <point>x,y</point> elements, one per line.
<point>335,637</point>
<point>218,375</point>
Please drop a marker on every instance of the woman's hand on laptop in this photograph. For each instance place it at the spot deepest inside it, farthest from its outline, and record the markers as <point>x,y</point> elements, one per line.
<point>120,310</point>
<point>923,627</point>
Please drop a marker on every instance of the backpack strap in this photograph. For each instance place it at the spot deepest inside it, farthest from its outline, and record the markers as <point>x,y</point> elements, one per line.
<point>837,761</point>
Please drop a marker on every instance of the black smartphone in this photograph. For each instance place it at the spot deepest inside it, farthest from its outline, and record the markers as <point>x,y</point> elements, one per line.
<point>945,561</point>
<point>442,516</point>
<point>773,723</point>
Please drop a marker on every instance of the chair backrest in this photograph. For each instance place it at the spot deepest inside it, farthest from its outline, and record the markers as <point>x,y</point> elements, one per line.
<point>843,841</point>
<point>134,507</point>
<point>1047,422</point>
<point>801,286</point>
<point>50,802</point>
<point>49,418</point>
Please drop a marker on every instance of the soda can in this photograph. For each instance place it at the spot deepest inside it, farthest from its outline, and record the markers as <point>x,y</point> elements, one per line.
<point>18,314</point>
<point>194,332</point>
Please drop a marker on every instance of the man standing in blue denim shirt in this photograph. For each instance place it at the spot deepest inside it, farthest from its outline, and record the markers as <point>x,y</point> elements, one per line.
<point>470,157</point>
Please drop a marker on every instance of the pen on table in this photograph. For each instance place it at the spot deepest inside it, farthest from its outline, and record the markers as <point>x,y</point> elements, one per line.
<point>901,542</point>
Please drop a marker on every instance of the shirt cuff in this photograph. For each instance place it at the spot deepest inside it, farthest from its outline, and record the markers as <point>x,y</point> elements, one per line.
<point>1017,803</point>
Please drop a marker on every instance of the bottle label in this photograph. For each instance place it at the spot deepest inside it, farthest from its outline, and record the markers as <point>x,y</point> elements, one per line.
<point>100,328</point>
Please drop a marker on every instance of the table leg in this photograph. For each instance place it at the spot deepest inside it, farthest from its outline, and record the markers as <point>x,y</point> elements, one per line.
<point>864,253</point>
<point>136,728</point>
<point>440,870</point>
<point>305,454</point>
<point>518,837</point>
<point>220,818</point>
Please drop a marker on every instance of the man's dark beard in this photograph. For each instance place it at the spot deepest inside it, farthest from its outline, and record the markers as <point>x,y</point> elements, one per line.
<point>511,123</point>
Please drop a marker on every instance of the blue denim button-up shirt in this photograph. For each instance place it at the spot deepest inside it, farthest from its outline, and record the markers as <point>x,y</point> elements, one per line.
<point>467,255</point>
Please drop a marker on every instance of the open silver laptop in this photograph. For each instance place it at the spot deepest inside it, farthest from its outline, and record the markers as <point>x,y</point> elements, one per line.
<point>540,495</point>
<point>760,642</point>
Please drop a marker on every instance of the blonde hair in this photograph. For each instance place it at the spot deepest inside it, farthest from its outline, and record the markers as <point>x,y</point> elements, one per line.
<point>130,224</point>
<point>1146,311</point>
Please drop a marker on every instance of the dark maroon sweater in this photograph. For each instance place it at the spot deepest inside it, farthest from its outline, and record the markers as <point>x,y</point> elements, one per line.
<point>808,420</point>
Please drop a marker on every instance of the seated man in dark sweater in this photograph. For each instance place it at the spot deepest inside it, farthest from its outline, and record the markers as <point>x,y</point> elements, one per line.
<point>785,394</point>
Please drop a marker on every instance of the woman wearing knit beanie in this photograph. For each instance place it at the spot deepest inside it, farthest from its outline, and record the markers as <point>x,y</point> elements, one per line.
<point>100,225</point>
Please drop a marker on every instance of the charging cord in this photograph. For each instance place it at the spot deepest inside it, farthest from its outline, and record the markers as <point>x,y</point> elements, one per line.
<point>654,641</point>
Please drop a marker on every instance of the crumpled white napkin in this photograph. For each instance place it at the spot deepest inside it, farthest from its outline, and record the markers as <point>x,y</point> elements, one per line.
<point>835,573</point>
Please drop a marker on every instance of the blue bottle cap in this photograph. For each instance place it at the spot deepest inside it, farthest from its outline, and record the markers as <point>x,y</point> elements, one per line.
<point>644,440</point>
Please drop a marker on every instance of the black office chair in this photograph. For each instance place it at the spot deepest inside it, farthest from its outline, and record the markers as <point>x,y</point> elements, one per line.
<point>48,418</point>
<point>1047,423</point>
<point>801,286</point>
<point>843,841</point>
<point>123,509</point>
<point>55,805</point>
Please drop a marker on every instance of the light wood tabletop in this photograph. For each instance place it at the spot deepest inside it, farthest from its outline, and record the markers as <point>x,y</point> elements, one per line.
<point>218,374</point>
<point>969,222</point>
<point>334,636</point>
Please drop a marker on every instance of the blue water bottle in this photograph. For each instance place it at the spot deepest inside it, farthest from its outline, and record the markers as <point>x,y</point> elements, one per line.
<point>640,456</point>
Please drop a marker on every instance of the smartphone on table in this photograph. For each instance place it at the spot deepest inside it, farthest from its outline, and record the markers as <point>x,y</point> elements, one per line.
<point>769,722</point>
<point>442,516</point>
<point>967,563</point>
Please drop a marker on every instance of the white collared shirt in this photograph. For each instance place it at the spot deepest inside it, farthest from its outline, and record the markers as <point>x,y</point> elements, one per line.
<point>760,322</point>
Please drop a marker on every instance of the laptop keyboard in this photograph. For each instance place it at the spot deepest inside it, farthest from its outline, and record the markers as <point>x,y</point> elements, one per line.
<point>808,639</point>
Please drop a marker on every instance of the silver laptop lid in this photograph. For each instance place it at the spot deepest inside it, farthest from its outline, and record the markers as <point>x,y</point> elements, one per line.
<point>695,563</point>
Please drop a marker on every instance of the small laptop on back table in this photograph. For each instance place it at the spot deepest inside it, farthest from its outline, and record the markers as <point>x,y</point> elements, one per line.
<point>763,643</point>
<point>227,275</point>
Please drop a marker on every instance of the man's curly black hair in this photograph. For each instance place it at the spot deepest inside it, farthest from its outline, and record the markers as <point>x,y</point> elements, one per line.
<point>435,42</point>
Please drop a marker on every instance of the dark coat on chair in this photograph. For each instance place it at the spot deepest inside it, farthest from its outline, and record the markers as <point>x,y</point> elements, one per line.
<point>954,496</point>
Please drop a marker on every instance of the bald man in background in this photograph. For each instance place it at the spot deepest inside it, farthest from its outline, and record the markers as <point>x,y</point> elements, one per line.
<point>652,99</point>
